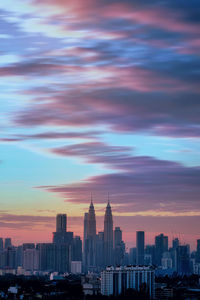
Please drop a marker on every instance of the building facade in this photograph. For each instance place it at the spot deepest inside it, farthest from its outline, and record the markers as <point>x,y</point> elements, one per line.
<point>115,281</point>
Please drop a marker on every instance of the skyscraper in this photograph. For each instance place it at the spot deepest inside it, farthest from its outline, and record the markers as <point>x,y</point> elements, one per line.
<point>91,230</point>
<point>61,223</point>
<point>119,248</point>
<point>8,243</point>
<point>1,244</point>
<point>61,236</point>
<point>90,239</point>
<point>161,243</point>
<point>140,247</point>
<point>117,236</point>
<point>198,252</point>
<point>108,236</point>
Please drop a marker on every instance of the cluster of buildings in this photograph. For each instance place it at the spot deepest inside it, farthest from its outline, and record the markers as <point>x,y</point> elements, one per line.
<point>101,252</point>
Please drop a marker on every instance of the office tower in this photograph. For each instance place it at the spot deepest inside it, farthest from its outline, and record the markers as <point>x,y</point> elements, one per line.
<point>117,236</point>
<point>77,249</point>
<point>100,250</point>
<point>85,233</point>
<point>150,252</point>
<point>115,281</point>
<point>31,259</point>
<point>1,245</point>
<point>61,236</point>
<point>183,260</point>
<point>175,243</point>
<point>8,243</point>
<point>20,256</point>
<point>61,223</point>
<point>161,243</point>
<point>198,252</point>
<point>119,247</point>
<point>8,258</point>
<point>63,258</point>
<point>90,239</point>
<point>108,236</point>
<point>140,247</point>
<point>47,256</point>
<point>132,256</point>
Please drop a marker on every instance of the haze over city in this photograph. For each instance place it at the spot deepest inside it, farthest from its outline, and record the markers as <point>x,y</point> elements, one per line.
<point>100,97</point>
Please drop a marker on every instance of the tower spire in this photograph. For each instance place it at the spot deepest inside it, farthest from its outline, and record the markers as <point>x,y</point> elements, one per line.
<point>91,199</point>
<point>108,204</point>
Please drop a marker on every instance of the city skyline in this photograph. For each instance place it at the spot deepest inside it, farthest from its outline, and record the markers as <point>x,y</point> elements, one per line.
<point>100,97</point>
<point>89,228</point>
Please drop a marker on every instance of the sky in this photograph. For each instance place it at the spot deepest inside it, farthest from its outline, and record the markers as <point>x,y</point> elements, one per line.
<point>100,97</point>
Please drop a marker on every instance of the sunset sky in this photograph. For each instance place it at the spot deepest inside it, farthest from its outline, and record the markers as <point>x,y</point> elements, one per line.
<point>100,96</point>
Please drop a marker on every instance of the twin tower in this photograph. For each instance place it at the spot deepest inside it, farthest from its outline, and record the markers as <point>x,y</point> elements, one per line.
<point>98,249</point>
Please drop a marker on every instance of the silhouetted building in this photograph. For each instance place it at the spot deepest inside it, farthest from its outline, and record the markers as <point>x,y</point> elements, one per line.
<point>150,252</point>
<point>108,236</point>
<point>119,247</point>
<point>140,247</point>
<point>183,260</point>
<point>132,256</point>
<point>198,252</point>
<point>1,244</point>
<point>8,258</point>
<point>8,243</point>
<point>90,239</point>
<point>100,250</point>
<point>31,259</point>
<point>117,236</point>
<point>175,243</point>
<point>77,249</point>
<point>161,244</point>
<point>61,236</point>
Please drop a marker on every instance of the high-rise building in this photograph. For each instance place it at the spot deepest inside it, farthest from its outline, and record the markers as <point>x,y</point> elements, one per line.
<point>161,243</point>
<point>31,259</point>
<point>119,247</point>
<point>8,243</point>
<point>115,281</point>
<point>85,225</point>
<point>140,247</point>
<point>1,244</point>
<point>91,228</point>
<point>132,256</point>
<point>175,243</point>
<point>108,236</point>
<point>61,223</point>
<point>117,236</point>
<point>90,239</point>
<point>183,260</point>
<point>198,252</point>
<point>77,249</point>
<point>61,236</point>
<point>100,250</point>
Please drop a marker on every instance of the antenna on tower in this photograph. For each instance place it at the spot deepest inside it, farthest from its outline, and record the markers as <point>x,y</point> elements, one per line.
<point>108,198</point>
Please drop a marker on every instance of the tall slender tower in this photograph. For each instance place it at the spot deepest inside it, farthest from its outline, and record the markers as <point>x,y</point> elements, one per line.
<point>140,247</point>
<point>91,221</point>
<point>108,236</point>
<point>90,239</point>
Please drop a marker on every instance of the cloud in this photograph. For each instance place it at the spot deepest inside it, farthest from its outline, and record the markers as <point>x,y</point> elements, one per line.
<point>139,183</point>
<point>121,110</point>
